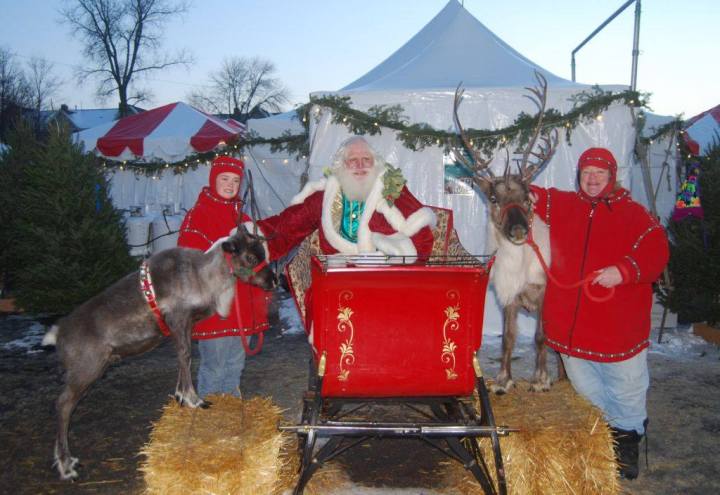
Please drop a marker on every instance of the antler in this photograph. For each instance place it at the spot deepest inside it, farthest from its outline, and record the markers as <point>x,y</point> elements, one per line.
<point>547,147</point>
<point>477,163</point>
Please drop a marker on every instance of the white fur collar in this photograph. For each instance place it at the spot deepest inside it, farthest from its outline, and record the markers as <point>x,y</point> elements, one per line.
<point>424,217</point>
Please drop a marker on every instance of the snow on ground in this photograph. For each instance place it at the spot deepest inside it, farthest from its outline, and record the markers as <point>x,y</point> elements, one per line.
<point>678,341</point>
<point>28,337</point>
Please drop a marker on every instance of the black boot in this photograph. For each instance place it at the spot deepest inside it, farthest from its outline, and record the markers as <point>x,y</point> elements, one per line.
<point>627,452</point>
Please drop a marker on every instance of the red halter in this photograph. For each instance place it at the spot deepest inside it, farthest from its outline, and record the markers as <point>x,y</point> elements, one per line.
<point>148,292</point>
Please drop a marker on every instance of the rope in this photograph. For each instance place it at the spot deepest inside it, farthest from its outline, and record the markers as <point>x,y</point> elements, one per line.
<point>261,335</point>
<point>585,283</point>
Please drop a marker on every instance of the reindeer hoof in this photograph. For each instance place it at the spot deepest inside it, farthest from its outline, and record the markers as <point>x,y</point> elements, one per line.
<point>499,389</point>
<point>191,400</point>
<point>67,472</point>
<point>539,387</point>
<point>205,404</point>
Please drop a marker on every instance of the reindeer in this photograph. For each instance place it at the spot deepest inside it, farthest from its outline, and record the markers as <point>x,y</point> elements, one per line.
<point>184,286</point>
<point>517,275</point>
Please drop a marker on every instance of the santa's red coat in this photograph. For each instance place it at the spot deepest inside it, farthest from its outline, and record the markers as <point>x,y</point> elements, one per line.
<point>288,229</point>
<point>586,236</point>
<point>209,220</point>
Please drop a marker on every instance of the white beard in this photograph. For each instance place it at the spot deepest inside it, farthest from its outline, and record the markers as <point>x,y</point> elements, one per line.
<point>354,188</point>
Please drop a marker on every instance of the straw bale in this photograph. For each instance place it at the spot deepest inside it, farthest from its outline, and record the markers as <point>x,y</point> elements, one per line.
<point>564,446</point>
<point>234,447</point>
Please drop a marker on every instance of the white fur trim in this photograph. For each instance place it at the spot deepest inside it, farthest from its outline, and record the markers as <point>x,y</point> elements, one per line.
<point>408,227</point>
<point>309,189</point>
<point>333,237</point>
<point>218,242</point>
<point>396,244</point>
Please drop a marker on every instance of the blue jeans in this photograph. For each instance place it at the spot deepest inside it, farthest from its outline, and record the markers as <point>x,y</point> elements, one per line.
<point>619,389</point>
<point>221,364</point>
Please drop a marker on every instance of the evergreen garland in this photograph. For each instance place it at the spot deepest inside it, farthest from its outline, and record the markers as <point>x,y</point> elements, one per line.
<point>694,264</point>
<point>69,239</point>
<point>588,105</point>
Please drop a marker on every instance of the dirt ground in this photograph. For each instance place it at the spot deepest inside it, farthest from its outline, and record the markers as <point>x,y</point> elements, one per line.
<point>113,422</point>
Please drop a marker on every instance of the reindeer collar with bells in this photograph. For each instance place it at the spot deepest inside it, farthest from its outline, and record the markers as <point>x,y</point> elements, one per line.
<point>148,292</point>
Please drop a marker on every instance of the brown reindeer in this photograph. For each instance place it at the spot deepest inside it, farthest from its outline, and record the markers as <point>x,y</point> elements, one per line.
<point>186,284</point>
<point>517,275</point>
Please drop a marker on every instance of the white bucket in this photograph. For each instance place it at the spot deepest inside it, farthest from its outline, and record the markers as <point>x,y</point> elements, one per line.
<point>138,234</point>
<point>164,232</point>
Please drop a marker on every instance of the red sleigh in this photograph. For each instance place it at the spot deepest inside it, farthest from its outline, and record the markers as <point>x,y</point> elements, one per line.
<point>403,332</point>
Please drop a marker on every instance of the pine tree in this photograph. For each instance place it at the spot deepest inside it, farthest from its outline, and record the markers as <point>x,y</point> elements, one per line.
<point>22,149</point>
<point>70,240</point>
<point>695,251</point>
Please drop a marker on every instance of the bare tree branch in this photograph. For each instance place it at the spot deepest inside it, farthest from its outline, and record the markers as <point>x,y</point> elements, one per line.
<point>240,86</point>
<point>15,94</point>
<point>122,39</point>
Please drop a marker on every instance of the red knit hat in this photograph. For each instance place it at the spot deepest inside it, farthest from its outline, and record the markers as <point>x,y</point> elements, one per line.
<point>600,158</point>
<point>223,164</point>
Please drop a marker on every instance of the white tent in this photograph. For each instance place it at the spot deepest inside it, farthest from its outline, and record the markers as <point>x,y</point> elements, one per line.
<point>421,77</point>
<point>276,175</point>
<point>161,199</point>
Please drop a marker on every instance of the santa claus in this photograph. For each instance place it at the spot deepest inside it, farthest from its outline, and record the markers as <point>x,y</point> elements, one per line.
<point>362,206</point>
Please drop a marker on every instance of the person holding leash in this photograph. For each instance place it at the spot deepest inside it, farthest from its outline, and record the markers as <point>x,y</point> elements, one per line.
<point>601,233</point>
<point>215,214</point>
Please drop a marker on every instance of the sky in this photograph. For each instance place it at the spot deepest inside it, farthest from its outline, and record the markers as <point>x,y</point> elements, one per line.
<point>320,45</point>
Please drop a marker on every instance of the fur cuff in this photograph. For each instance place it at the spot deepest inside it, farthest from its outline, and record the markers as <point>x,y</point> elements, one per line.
<point>396,244</point>
<point>424,217</point>
<point>309,189</point>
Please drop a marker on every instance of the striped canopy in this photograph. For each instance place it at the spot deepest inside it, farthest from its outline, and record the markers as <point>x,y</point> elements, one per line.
<point>168,134</point>
<point>702,130</point>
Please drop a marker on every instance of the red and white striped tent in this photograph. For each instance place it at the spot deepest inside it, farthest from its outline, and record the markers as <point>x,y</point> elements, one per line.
<point>170,133</point>
<point>701,130</point>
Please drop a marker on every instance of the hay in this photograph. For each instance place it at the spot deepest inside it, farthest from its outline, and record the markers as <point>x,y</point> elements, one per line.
<point>233,447</point>
<point>564,446</point>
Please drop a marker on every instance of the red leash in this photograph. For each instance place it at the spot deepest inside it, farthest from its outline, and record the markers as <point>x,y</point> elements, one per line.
<point>586,282</point>
<point>261,334</point>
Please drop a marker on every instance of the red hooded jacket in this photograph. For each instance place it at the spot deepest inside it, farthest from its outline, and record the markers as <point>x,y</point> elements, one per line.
<point>210,219</point>
<point>586,235</point>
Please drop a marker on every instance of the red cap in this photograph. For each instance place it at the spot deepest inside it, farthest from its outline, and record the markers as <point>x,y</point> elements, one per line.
<point>223,164</point>
<point>598,157</point>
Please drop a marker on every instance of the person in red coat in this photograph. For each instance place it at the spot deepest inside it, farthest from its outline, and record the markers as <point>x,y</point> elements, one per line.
<point>361,207</point>
<point>600,232</point>
<point>215,214</point>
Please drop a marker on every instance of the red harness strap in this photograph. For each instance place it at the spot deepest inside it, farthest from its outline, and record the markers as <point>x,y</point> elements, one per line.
<point>243,334</point>
<point>148,292</point>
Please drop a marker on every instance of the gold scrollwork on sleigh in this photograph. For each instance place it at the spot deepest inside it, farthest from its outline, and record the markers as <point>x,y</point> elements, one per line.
<point>345,324</point>
<point>452,315</point>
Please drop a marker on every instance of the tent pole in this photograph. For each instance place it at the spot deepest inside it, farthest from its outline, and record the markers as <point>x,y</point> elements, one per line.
<point>601,26</point>
<point>636,44</point>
